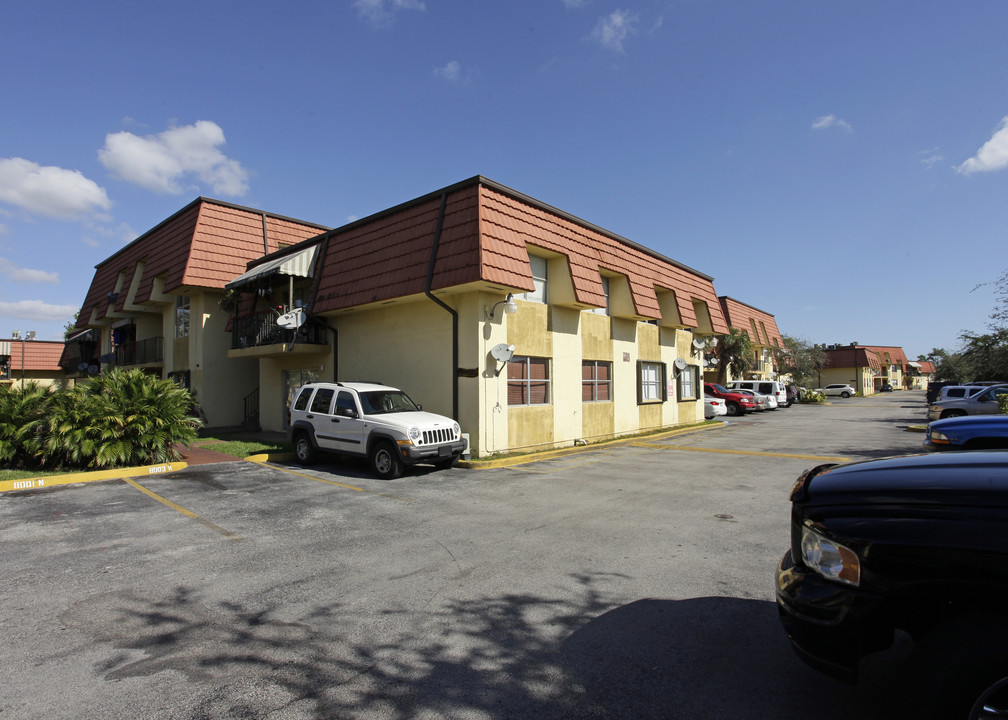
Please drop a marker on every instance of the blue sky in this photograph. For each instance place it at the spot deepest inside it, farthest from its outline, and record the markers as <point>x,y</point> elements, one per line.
<point>842,165</point>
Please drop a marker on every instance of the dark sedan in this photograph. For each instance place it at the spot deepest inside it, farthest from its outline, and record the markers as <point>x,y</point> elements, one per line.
<point>971,432</point>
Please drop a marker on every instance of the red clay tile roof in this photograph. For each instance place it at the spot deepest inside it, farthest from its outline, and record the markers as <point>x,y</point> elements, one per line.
<point>889,355</point>
<point>848,357</point>
<point>926,367</point>
<point>760,326</point>
<point>206,244</point>
<point>40,355</point>
<point>486,230</point>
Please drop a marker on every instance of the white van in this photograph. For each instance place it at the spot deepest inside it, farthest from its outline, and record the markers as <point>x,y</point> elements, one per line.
<point>764,387</point>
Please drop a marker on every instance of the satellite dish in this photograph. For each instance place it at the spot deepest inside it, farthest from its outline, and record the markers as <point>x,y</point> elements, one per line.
<point>699,343</point>
<point>82,367</point>
<point>107,358</point>
<point>713,341</point>
<point>93,369</point>
<point>503,352</point>
<point>680,364</point>
<point>294,319</point>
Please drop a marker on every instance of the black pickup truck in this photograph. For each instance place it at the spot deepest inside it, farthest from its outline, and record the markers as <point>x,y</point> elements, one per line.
<point>917,544</point>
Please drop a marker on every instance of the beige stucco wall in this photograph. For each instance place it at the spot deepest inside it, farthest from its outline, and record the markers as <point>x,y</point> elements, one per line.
<point>408,346</point>
<point>865,384</point>
<point>598,418</point>
<point>222,383</point>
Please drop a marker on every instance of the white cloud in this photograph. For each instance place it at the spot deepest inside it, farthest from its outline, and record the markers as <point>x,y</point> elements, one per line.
<point>930,158</point>
<point>831,121</point>
<point>51,191</point>
<point>381,12</point>
<point>163,161</point>
<point>37,310</point>
<point>452,71</point>
<point>992,156</point>
<point>12,272</point>
<point>613,30</point>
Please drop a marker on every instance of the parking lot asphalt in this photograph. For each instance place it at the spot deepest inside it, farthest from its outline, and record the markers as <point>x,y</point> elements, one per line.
<point>630,580</point>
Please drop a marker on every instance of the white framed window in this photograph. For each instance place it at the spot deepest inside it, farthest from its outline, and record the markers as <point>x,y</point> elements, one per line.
<point>528,381</point>
<point>651,386</point>
<point>687,383</point>
<point>540,278</point>
<point>181,316</point>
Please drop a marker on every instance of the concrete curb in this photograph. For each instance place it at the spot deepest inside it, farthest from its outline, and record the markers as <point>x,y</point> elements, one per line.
<point>92,476</point>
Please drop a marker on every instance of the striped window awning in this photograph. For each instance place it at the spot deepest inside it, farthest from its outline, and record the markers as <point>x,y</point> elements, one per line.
<point>299,264</point>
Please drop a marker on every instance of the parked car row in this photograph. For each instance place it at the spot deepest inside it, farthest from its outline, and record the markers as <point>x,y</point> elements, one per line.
<point>739,397</point>
<point>960,400</point>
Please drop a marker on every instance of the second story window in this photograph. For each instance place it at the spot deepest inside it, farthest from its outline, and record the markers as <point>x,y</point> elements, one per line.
<point>181,316</point>
<point>539,279</point>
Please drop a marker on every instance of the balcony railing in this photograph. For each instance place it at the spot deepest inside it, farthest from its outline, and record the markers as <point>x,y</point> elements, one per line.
<point>140,352</point>
<point>262,329</point>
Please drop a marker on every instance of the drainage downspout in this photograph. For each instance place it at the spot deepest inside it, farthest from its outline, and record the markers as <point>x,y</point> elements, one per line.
<point>451,311</point>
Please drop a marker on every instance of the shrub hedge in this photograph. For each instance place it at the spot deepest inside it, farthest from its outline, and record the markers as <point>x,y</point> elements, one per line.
<point>117,419</point>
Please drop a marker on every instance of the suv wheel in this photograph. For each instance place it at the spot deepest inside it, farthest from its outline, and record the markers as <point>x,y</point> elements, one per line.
<point>304,451</point>
<point>845,394</point>
<point>733,409</point>
<point>952,413</point>
<point>385,460</point>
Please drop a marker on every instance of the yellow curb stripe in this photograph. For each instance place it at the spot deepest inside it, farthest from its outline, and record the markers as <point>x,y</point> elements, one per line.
<point>71,479</point>
<point>331,482</point>
<point>823,458</point>
<point>561,452</point>
<point>188,513</point>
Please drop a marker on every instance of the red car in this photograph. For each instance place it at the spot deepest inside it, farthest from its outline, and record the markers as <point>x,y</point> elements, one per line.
<point>736,402</point>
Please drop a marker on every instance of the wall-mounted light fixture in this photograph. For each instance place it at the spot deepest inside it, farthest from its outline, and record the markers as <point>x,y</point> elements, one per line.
<point>510,306</point>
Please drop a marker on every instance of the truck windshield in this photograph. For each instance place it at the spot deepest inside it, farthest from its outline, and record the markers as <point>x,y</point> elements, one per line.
<point>379,402</point>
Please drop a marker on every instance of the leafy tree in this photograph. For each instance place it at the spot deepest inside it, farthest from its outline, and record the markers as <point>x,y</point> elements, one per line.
<point>735,354</point>
<point>985,357</point>
<point>71,326</point>
<point>800,359</point>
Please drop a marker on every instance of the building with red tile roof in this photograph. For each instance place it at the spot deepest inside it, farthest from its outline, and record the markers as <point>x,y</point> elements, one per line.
<point>894,365</point>
<point>245,307</point>
<point>866,367</point>
<point>23,361</point>
<point>156,304</point>
<point>761,329</point>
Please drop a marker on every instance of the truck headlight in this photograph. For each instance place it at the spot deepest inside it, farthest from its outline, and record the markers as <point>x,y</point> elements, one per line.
<point>414,434</point>
<point>939,437</point>
<point>830,559</point>
<point>457,429</point>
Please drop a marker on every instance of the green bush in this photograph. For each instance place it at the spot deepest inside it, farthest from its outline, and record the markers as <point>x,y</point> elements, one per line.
<point>117,419</point>
<point>811,396</point>
<point>22,411</point>
<point>1003,404</point>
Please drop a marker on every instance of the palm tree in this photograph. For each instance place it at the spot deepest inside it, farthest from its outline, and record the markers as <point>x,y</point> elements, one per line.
<point>121,418</point>
<point>735,354</point>
<point>22,411</point>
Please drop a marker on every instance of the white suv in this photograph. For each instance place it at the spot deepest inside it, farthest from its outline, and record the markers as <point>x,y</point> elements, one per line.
<point>841,389</point>
<point>374,421</point>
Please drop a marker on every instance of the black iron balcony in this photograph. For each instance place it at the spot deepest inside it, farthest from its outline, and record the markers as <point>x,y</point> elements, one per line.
<point>141,352</point>
<point>262,329</point>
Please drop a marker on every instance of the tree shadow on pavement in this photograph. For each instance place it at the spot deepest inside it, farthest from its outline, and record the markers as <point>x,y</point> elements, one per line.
<point>513,656</point>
